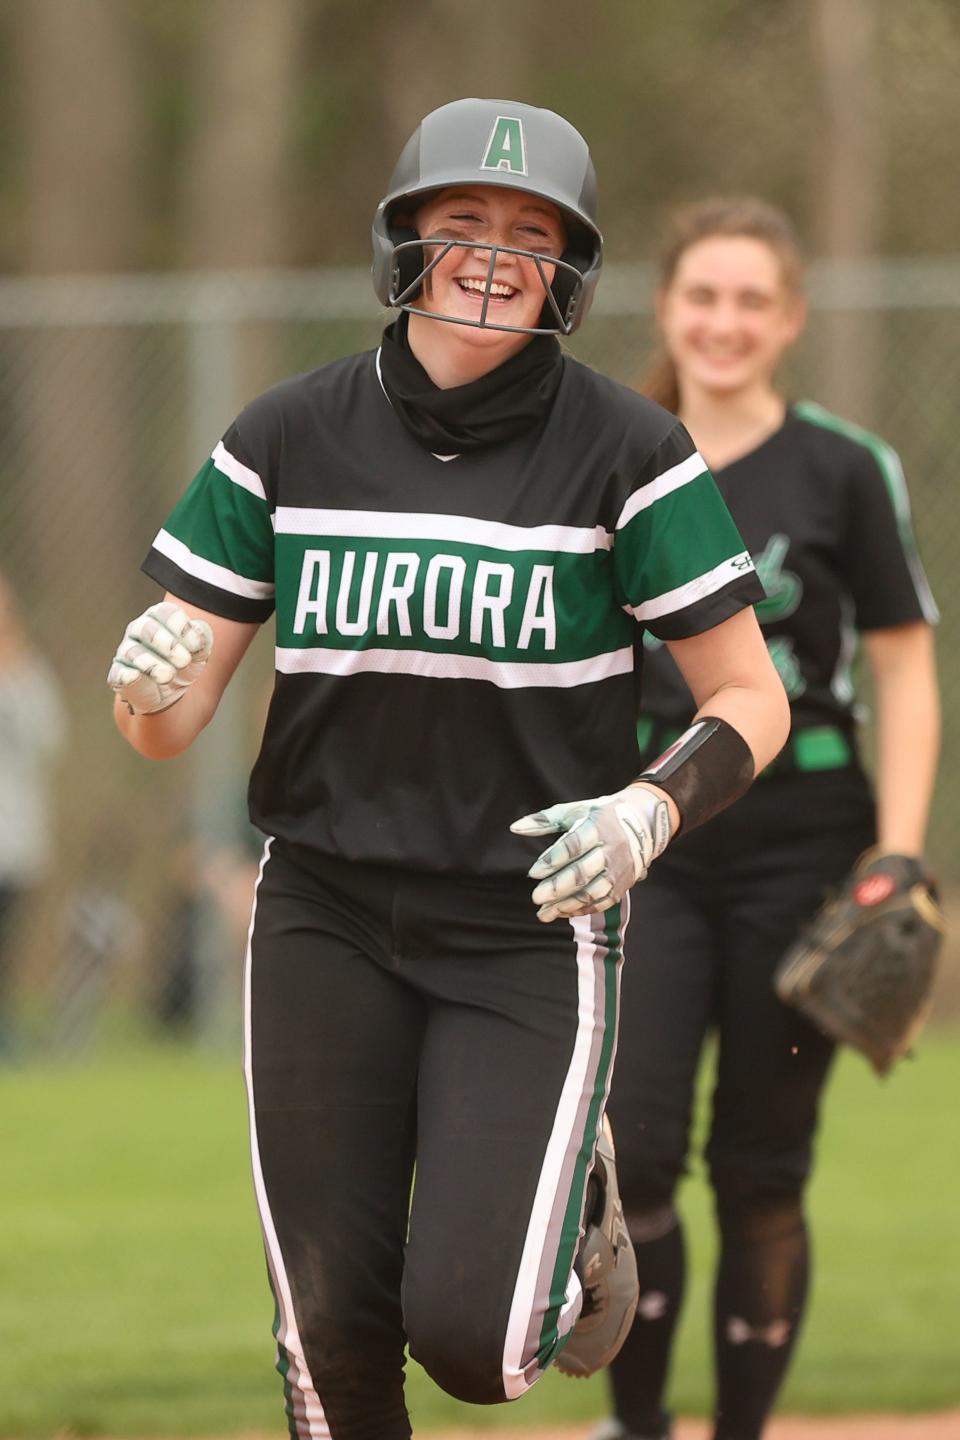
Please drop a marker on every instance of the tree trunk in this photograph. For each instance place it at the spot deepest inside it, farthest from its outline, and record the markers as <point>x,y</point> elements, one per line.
<point>81,143</point>
<point>848,201</point>
<point>237,210</point>
<point>237,214</point>
<point>246,80</point>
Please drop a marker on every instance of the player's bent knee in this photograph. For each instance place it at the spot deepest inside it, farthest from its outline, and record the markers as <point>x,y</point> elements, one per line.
<point>462,1361</point>
<point>742,1184</point>
<point>648,1172</point>
<point>759,1218</point>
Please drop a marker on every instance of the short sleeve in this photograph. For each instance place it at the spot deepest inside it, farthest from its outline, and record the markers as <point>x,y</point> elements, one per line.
<point>883,569</point>
<point>216,549</point>
<point>680,561</point>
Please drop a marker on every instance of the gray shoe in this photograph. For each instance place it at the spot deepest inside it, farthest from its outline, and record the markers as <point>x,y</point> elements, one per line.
<point>607,1267</point>
<point>613,1430</point>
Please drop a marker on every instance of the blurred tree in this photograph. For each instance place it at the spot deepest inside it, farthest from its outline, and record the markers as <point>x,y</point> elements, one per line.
<point>918,66</point>
<point>678,98</point>
<point>80,125</point>
<point>245,74</point>
<point>848,201</point>
<point>81,128</point>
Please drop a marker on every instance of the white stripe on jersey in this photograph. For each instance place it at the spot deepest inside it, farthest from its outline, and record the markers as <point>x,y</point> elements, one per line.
<point>460,529</point>
<point>684,595</point>
<point>209,571</point>
<point>240,474</point>
<point>506,674</point>
<point>672,479</point>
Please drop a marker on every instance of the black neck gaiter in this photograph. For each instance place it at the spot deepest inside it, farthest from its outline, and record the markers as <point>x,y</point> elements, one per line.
<point>499,406</point>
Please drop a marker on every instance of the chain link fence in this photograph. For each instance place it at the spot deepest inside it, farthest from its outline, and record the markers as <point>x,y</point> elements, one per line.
<point>129,916</point>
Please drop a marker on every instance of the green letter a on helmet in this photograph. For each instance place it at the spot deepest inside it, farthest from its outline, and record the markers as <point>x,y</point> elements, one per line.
<point>505,148</point>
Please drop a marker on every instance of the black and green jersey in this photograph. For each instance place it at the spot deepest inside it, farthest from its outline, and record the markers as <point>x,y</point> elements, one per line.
<point>824,510</point>
<point>456,639</point>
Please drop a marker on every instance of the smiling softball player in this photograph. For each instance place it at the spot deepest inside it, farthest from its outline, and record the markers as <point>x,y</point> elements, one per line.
<point>824,509</point>
<point>456,535</point>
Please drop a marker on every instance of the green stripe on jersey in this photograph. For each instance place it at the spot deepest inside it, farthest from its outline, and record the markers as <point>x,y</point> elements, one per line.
<point>224,523</point>
<point>888,463</point>
<point>446,597</point>
<point>685,535</point>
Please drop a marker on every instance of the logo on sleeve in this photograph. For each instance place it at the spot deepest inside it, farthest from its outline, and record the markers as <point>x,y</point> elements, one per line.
<point>506,149</point>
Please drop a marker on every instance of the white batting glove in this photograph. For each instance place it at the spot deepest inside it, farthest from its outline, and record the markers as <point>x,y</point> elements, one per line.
<point>161,654</point>
<point>608,845</point>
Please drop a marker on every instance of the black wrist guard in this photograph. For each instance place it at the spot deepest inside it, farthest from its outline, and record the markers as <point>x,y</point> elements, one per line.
<point>709,767</point>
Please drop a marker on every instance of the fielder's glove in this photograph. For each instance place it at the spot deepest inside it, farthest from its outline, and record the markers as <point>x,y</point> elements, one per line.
<point>162,652</point>
<point>608,845</point>
<point>863,969</point>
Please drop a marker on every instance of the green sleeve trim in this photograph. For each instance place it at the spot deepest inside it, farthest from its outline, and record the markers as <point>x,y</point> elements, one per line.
<point>888,463</point>
<point>225,524</point>
<point>682,536</point>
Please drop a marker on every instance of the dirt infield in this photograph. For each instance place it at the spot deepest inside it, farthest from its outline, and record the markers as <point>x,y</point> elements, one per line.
<point>942,1426</point>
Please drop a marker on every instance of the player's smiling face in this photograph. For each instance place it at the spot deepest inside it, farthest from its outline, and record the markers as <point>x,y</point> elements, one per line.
<point>483,215</point>
<point>728,315</point>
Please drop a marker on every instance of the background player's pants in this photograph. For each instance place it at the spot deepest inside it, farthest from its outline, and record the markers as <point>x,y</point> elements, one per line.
<point>708,928</point>
<point>11,897</point>
<point>394,1018</point>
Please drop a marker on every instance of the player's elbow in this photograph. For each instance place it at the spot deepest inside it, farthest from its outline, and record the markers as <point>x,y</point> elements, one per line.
<point>165,735</point>
<point>778,723</point>
<point>769,717</point>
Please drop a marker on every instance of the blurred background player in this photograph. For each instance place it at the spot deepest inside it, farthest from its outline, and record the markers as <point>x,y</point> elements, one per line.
<point>823,507</point>
<point>32,731</point>
<point>450,530</point>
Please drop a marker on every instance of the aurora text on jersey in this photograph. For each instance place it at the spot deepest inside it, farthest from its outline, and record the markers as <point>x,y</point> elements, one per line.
<point>455,642</point>
<point>487,601</point>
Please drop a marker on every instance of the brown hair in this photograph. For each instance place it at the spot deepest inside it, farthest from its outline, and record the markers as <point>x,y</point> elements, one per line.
<point>721,215</point>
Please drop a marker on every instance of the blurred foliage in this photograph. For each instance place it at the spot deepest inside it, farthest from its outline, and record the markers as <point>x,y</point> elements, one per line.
<point>677,98</point>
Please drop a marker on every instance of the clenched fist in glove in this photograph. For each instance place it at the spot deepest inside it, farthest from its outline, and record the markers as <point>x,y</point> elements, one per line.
<point>161,654</point>
<point>607,845</point>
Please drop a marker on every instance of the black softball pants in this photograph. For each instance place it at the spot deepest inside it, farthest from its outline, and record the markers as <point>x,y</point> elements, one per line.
<point>708,929</point>
<point>419,1032</point>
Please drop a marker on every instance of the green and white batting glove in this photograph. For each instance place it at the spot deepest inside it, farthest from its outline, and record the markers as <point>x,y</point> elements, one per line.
<point>161,654</point>
<point>607,845</point>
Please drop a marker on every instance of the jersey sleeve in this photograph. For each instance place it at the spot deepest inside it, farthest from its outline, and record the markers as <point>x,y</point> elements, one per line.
<point>882,564</point>
<point>216,549</point>
<point>680,561</point>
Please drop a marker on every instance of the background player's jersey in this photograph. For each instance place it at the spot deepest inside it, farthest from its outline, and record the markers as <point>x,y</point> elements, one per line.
<point>824,510</point>
<point>456,641</point>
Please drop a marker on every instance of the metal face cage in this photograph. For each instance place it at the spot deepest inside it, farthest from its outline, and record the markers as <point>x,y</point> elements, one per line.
<point>402,298</point>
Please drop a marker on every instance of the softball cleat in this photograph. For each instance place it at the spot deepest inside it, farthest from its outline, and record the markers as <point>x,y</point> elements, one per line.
<point>613,1430</point>
<point>607,1269</point>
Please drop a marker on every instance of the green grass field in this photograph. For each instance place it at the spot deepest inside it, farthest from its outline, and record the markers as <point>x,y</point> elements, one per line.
<point>133,1299</point>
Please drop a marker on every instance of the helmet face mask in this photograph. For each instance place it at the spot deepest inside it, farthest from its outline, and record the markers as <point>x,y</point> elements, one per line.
<point>404,299</point>
<point>504,145</point>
